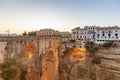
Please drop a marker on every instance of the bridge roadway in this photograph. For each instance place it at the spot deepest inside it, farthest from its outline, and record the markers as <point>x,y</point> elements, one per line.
<point>17,38</point>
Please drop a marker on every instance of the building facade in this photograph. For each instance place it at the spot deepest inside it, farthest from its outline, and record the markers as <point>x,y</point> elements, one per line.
<point>104,34</point>
<point>66,36</point>
<point>96,34</point>
<point>47,33</point>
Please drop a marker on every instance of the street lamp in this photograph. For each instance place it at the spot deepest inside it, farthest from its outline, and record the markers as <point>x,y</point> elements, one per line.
<point>8,32</point>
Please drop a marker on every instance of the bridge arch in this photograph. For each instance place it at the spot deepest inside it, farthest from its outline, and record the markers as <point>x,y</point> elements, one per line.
<point>50,55</point>
<point>51,64</point>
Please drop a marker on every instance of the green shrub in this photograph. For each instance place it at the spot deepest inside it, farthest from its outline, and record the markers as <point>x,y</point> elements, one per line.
<point>108,44</point>
<point>72,41</point>
<point>10,70</point>
<point>11,73</point>
<point>96,60</point>
<point>91,47</point>
<point>115,45</point>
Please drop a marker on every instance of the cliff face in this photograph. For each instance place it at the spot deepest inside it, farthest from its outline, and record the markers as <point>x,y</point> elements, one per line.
<point>2,51</point>
<point>108,69</point>
<point>16,50</point>
<point>72,68</point>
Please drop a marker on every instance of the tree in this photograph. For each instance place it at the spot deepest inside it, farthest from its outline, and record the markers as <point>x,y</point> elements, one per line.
<point>76,53</point>
<point>108,44</point>
<point>72,41</point>
<point>24,34</point>
<point>32,33</point>
<point>92,48</point>
<point>10,70</point>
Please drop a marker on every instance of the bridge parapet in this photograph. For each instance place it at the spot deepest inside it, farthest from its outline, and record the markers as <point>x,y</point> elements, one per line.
<point>17,38</point>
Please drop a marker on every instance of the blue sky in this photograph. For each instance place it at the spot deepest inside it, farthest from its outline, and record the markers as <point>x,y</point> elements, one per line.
<point>63,15</point>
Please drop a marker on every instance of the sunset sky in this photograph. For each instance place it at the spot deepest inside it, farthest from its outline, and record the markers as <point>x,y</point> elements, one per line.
<point>62,15</point>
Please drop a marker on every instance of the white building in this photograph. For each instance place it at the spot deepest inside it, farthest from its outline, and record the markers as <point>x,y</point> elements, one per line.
<point>104,34</point>
<point>96,34</point>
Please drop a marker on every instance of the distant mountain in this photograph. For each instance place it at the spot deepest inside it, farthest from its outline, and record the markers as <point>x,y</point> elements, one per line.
<point>9,35</point>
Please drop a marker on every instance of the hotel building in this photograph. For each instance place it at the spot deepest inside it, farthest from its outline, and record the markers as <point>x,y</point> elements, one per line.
<point>96,34</point>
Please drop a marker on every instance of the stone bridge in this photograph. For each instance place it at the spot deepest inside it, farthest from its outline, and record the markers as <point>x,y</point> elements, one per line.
<point>41,50</point>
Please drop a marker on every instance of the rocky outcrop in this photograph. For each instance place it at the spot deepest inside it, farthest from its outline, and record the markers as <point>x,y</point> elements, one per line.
<point>108,69</point>
<point>72,68</point>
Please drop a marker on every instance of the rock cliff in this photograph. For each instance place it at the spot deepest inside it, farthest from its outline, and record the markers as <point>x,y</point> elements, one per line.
<point>108,69</point>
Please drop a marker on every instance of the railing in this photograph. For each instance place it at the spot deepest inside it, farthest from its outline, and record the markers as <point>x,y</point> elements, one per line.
<point>10,38</point>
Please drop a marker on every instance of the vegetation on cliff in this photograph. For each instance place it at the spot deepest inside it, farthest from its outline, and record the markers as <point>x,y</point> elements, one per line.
<point>92,49</point>
<point>10,70</point>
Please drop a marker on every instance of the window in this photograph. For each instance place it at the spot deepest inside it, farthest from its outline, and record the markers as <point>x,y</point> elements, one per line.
<point>109,34</point>
<point>116,34</point>
<point>103,34</point>
<point>77,36</point>
<point>74,32</point>
<point>98,35</point>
